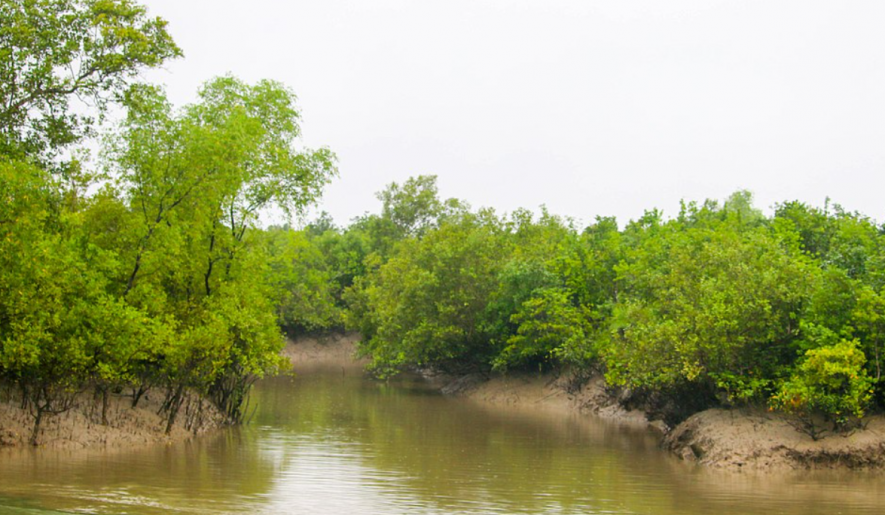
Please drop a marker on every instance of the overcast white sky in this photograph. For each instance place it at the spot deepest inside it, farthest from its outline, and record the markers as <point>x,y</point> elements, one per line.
<point>590,107</point>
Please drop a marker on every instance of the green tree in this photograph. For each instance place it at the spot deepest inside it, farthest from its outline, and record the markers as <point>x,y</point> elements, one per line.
<point>423,306</point>
<point>195,181</point>
<point>60,330</point>
<point>412,207</point>
<point>869,319</point>
<point>721,308</point>
<point>304,282</point>
<point>549,326</point>
<point>158,274</point>
<point>408,210</point>
<point>55,50</point>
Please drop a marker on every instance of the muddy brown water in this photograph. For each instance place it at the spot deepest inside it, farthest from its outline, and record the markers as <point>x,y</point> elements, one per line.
<point>334,442</point>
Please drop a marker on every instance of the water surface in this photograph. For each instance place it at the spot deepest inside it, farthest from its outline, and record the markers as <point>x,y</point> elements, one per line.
<point>335,442</point>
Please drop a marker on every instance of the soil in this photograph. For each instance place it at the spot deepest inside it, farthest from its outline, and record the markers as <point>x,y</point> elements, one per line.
<point>757,440</point>
<point>332,351</point>
<point>80,427</point>
<point>549,392</point>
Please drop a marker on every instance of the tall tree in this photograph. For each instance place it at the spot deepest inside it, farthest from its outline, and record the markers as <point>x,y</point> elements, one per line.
<point>52,51</point>
<point>195,181</point>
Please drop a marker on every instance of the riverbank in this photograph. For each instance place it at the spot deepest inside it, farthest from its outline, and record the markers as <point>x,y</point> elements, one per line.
<point>736,440</point>
<point>80,427</point>
<point>326,351</point>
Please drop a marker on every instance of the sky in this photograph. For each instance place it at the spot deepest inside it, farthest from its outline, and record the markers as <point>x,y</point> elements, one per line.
<point>592,108</point>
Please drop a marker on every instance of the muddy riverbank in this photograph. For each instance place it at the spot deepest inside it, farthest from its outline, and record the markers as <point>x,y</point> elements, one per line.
<point>738,439</point>
<point>717,438</point>
<point>80,427</point>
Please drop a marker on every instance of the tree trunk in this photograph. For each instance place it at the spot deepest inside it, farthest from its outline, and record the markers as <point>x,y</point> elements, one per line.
<point>37,419</point>
<point>174,407</point>
<point>104,406</point>
<point>25,398</point>
<point>136,395</point>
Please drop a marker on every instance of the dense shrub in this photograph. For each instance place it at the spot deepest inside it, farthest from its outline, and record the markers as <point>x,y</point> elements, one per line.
<point>829,384</point>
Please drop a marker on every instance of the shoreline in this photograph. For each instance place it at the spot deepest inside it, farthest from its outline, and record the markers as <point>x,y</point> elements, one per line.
<point>736,440</point>
<point>80,427</point>
<point>725,439</point>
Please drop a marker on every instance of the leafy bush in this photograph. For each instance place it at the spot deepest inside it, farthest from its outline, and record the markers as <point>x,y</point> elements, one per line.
<point>830,384</point>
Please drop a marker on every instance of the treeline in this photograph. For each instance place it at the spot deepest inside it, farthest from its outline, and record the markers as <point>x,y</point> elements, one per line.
<point>147,271</point>
<point>718,305</point>
<point>151,271</point>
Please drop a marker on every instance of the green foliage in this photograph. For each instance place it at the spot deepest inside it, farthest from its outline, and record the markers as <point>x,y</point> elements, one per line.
<point>739,206</point>
<point>830,381</point>
<point>719,300</point>
<point>812,225</point>
<point>345,256</point>
<point>413,207</point>
<point>868,318</point>
<point>423,306</point>
<point>158,275</point>
<point>723,304</point>
<point>195,182</point>
<point>518,280</point>
<point>54,50</point>
<point>408,211</point>
<point>59,327</point>
<point>304,281</point>
<point>548,325</point>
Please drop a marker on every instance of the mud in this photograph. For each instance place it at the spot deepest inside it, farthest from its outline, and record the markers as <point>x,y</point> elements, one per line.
<point>81,427</point>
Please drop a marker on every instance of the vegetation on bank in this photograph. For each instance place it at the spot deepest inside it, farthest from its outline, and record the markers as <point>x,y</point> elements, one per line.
<point>719,305</point>
<point>151,272</point>
<point>148,272</point>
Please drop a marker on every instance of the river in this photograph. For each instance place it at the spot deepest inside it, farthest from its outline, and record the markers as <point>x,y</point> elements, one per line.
<point>335,442</point>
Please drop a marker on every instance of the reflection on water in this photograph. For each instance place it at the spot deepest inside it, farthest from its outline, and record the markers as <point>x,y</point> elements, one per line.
<point>334,442</point>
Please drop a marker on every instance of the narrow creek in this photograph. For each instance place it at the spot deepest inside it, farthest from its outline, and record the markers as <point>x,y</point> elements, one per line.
<point>336,442</point>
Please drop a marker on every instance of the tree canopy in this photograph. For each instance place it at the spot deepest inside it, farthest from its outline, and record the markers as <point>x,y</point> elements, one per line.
<point>718,305</point>
<point>151,272</point>
<point>54,51</point>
